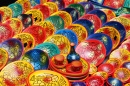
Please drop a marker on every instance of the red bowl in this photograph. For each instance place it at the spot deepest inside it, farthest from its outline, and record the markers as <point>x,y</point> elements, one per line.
<point>107,67</point>
<point>95,81</point>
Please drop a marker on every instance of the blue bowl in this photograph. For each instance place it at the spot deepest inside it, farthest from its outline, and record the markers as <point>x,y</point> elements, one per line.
<point>87,5</point>
<point>60,3</point>
<point>69,34</point>
<point>38,58</point>
<point>106,40</point>
<point>87,24</point>
<point>73,12</point>
<point>14,48</point>
<point>100,14</point>
<point>78,84</point>
<point>114,82</point>
<point>119,27</point>
<point>50,48</point>
<point>126,65</point>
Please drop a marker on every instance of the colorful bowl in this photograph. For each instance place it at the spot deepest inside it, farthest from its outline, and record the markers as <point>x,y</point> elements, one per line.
<point>79,30</point>
<point>114,82</point>
<point>37,32</point>
<point>61,41</point>
<point>36,15</point>
<point>106,40</point>
<point>100,14</point>
<point>109,13</point>
<point>27,40</point>
<point>103,74</point>
<point>121,54</point>
<point>94,19</point>
<point>87,5</point>
<point>26,5</point>
<point>69,34</point>
<point>14,48</point>
<point>6,13</point>
<point>78,83</point>
<point>59,3</point>
<point>16,9</point>
<point>92,50</point>
<point>38,58</point>
<point>15,24</point>
<point>125,46</point>
<point>113,3</point>
<point>46,78</point>
<point>115,62</point>
<point>26,20</point>
<point>44,9</point>
<point>57,21</point>
<point>125,22</point>
<point>50,48</point>
<point>119,27</point>
<point>18,71</point>
<point>112,33</point>
<point>87,24</point>
<point>107,68</point>
<point>65,16</point>
<point>52,6</point>
<point>95,81</point>
<point>73,12</point>
<point>48,27</point>
<point>6,32</point>
<point>126,64</point>
<point>3,58</point>
<point>78,7</point>
<point>122,74</point>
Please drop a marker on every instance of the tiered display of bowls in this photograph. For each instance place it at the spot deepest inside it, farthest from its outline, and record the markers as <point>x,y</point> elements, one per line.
<point>65,43</point>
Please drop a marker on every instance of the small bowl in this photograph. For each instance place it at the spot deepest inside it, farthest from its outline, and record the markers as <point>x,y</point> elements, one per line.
<point>122,74</point>
<point>107,68</point>
<point>73,12</point>
<point>95,81</point>
<point>78,84</point>
<point>114,82</point>
<point>126,64</point>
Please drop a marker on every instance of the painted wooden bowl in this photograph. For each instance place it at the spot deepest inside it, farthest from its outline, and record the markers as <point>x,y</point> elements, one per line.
<point>50,48</point>
<point>87,24</point>
<point>18,71</point>
<point>73,12</point>
<point>6,32</point>
<point>69,34</point>
<point>114,81</point>
<point>100,14</point>
<point>105,39</point>
<point>119,27</point>
<point>61,41</point>
<point>37,32</point>
<point>112,33</point>
<point>92,50</point>
<point>79,30</point>
<point>38,58</point>
<point>57,21</point>
<point>46,78</point>
<point>94,19</point>
<point>26,20</point>
<point>14,48</point>
<point>16,9</point>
